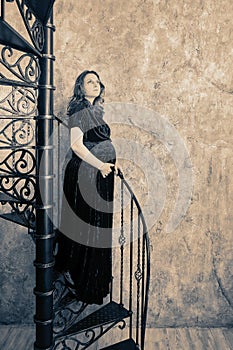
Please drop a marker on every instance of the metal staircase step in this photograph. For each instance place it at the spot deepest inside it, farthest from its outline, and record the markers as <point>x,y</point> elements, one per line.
<point>111,312</point>
<point>4,197</point>
<point>8,36</point>
<point>42,9</point>
<point>127,344</point>
<point>16,218</point>
<point>7,198</point>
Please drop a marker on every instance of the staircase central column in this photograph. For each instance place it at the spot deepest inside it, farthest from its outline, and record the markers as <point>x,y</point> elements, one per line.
<point>44,202</point>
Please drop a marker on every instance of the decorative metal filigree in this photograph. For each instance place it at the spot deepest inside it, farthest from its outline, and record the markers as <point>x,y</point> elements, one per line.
<point>85,339</point>
<point>17,133</point>
<point>66,307</point>
<point>18,162</point>
<point>68,311</point>
<point>33,25</point>
<point>37,31</point>
<point>25,67</point>
<point>19,101</point>
<point>76,343</point>
<point>20,196</point>
<point>122,240</point>
<point>26,212</point>
<point>138,274</point>
<point>22,189</point>
<point>23,213</point>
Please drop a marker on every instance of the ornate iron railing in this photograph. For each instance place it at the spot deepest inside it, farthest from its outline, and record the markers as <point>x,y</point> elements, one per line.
<point>139,263</point>
<point>18,107</point>
<point>78,327</point>
<point>26,116</point>
<point>27,195</point>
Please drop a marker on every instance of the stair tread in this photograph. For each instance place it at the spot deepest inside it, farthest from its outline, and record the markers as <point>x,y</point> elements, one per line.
<point>127,344</point>
<point>4,197</point>
<point>7,198</point>
<point>16,218</point>
<point>110,312</point>
<point>8,36</point>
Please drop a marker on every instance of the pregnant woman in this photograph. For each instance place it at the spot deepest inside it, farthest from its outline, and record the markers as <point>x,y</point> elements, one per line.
<point>84,252</point>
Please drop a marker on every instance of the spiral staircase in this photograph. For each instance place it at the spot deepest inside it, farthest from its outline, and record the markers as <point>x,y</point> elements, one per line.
<point>28,188</point>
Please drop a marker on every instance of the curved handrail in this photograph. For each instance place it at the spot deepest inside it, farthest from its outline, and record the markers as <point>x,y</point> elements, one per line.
<point>147,242</point>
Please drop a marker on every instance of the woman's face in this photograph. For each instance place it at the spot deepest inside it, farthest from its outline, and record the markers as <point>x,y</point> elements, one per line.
<point>91,85</point>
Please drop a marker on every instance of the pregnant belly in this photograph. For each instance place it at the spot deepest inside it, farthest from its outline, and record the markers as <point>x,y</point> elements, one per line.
<point>104,150</point>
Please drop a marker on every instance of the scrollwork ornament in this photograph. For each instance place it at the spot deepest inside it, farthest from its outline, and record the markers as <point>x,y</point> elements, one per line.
<point>33,24</point>
<point>122,324</point>
<point>22,189</point>
<point>24,163</point>
<point>66,307</point>
<point>29,214</point>
<point>26,67</point>
<point>84,339</point>
<point>81,340</point>
<point>26,191</point>
<point>22,193</point>
<point>24,211</point>
<point>19,101</point>
<point>90,334</point>
<point>22,135</point>
<point>38,34</point>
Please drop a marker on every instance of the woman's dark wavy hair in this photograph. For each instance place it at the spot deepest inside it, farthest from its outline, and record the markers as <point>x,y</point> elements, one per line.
<point>79,94</point>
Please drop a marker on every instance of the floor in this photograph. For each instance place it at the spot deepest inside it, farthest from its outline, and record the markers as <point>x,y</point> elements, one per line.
<point>22,338</point>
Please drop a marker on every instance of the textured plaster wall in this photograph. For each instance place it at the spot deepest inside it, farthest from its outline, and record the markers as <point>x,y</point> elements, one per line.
<point>17,275</point>
<point>176,60</point>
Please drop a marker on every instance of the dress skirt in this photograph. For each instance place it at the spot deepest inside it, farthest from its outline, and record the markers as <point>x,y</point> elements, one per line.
<point>85,234</point>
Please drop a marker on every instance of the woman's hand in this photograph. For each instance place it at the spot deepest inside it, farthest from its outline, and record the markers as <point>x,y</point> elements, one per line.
<point>106,169</point>
<point>117,167</point>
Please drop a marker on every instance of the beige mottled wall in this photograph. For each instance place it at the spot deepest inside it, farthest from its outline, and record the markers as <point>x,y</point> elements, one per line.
<point>175,59</point>
<point>174,63</point>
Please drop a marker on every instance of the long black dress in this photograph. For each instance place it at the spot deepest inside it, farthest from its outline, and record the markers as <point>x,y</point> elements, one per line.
<point>85,235</point>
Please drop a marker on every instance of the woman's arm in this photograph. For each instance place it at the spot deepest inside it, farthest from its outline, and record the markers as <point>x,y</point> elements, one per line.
<point>82,152</point>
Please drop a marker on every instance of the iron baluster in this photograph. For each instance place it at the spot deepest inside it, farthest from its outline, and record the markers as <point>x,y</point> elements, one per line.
<point>13,140</point>
<point>146,249</point>
<point>111,288</point>
<point>138,273</point>
<point>143,325</point>
<point>138,276</point>
<point>59,165</point>
<point>131,266</point>
<point>58,168</point>
<point>122,242</point>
